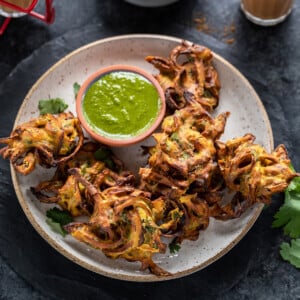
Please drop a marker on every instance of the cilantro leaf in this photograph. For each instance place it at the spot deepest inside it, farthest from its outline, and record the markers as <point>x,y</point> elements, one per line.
<point>60,216</point>
<point>76,88</point>
<point>56,227</point>
<point>291,252</point>
<point>288,215</point>
<point>57,219</point>
<point>104,155</point>
<point>293,189</point>
<point>52,106</point>
<point>173,247</point>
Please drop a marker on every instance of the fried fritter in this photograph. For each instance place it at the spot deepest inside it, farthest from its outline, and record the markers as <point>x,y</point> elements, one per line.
<point>46,140</point>
<point>184,157</point>
<point>188,75</point>
<point>252,173</point>
<point>122,225</point>
<point>65,190</point>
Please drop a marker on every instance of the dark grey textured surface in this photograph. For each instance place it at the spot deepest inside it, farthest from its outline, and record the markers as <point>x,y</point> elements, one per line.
<point>268,57</point>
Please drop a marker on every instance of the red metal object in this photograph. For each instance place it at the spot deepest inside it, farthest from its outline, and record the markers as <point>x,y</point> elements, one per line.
<point>48,17</point>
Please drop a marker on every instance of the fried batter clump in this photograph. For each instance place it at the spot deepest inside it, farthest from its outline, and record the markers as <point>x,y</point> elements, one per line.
<point>46,140</point>
<point>184,157</point>
<point>65,190</point>
<point>252,173</point>
<point>122,225</point>
<point>188,75</point>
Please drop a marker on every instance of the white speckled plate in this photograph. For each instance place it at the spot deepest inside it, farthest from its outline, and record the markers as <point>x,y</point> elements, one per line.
<point>237,96</point>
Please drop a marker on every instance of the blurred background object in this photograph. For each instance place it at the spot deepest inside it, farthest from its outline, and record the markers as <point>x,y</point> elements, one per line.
<point>151,3</point>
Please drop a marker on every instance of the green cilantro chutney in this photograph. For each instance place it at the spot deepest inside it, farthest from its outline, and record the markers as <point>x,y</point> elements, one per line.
<point>121,104</point>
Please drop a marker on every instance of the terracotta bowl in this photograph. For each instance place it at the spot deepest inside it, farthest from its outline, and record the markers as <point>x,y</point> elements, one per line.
<point>123,141</point>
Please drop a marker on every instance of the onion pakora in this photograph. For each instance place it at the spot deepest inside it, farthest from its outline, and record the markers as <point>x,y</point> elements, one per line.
<point>122,225</point>
<point>184,157</point>
<point>252,173</point>
<point>97,164</point>
<point>188,75</point>
<point>46,140</point>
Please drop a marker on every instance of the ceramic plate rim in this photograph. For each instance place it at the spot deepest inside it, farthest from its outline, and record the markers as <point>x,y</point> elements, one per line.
<point>86,265</point>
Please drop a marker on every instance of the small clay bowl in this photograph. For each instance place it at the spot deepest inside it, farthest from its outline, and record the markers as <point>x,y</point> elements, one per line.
<point>117,140</point>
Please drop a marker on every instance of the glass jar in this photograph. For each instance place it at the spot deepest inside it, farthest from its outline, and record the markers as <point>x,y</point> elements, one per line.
<point>266,12</point>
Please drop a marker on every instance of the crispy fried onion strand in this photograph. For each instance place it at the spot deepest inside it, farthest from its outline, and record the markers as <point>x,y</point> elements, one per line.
<point>46,140</point>
<point>182,218</point>
<point>188,75</point>
<point>252,173</point>
<point>65,190</point>
<point>122,225</point>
